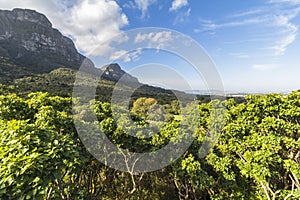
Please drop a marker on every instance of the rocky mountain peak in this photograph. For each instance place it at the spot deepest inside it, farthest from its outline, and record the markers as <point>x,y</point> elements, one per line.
<point>27,15</point>
<point>114,72</point>
<point>27,37</point>
<point>111,68</point>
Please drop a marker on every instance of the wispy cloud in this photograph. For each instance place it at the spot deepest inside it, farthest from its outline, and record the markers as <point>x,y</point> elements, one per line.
<point>143,5</point>
<point>289,34</point>
<point>208,25</point>
<point>270,28</point>
<point>126,56</point>
<point>156,40</point>
<point>246,13</point>
<point>240,55</point>
<point>182,17</point>
<point>177,4</point>
<point>285,1</point>
<point>265,67</point>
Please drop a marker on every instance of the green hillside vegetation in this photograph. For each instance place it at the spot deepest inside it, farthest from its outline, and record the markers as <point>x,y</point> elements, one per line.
<point>60,82</point>
<point>10,71</point>
<point>256,157</point>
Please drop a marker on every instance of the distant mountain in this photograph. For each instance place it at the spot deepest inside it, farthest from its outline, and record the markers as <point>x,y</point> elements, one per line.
<point>206,92</point>
<point>114,72</point>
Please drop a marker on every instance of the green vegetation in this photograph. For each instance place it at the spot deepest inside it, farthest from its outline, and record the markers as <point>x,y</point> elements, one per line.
<point>257,155</point>
<point>60,82</point>
<point>10,71</point>
<point>42,156</point>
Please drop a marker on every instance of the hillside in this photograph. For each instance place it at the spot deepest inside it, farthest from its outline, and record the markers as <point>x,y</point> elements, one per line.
<point>9,71</point>
<point>61,81</point>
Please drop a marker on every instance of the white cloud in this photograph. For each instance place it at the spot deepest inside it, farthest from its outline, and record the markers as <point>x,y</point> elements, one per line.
<point>289,32</point>
<point>46,7</point>
<point>240,55</point>
<point>93,24</point>
<point>247,13</point>
<point>143,5</point>
<point>176,4</point>
<point>285,1</point>
<point>126,56</point>
<point>121,54</point>
<point>208,25</point>
<point>156,40</point>
<point>182,17</point>
<point>265,67</point>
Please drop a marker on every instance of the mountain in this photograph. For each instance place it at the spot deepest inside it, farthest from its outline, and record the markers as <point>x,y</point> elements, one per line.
<point>30,45</point>
<point>34,56</point>
<point>114,72</point>
<point>28,41</point>
<point>28,38</point>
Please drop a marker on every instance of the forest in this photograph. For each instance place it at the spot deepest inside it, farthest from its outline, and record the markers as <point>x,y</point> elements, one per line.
<point>256,156</point>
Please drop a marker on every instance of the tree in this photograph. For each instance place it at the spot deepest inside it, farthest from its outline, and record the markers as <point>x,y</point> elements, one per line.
<point>148,109</point>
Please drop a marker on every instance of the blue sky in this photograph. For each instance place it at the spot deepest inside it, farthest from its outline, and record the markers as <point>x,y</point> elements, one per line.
<point>254,44</point>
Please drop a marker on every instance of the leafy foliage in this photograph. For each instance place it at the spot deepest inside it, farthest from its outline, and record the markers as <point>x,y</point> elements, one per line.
<point>40,157</point>
<point>257,155</point>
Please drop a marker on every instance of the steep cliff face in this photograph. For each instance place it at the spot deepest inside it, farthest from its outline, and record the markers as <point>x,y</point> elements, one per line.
<point>28,38</point>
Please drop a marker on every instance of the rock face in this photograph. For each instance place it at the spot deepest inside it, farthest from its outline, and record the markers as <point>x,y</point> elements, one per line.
<point>114,73</point>
<point>28,38</point>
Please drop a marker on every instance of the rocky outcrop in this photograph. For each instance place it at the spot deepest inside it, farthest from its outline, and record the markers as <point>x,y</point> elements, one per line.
<point>114,73</point>
<point>28,38</point>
